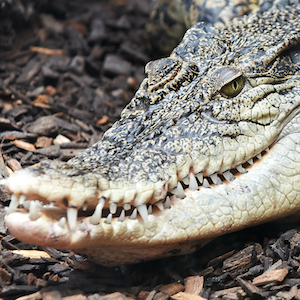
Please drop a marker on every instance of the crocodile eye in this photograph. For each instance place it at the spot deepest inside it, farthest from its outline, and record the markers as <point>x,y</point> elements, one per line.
<point>232,88</point>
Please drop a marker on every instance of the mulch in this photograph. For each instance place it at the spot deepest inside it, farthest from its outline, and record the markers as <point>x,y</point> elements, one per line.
<point>67,69</point>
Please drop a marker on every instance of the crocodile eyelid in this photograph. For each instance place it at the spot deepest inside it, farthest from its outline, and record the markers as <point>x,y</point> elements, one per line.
<point>233,88</point>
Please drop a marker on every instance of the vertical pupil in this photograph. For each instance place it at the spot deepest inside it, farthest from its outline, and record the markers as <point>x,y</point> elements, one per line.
<point>235,85</point>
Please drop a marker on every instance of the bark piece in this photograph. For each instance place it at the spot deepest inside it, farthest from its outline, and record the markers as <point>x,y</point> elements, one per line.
<point>292,293</point>
<point>114,296</point>
<point>270,277</point>
<point>31,253</point>
<point>61,139</point>
<point>252,290</point>
<point>44,126</point>
<point>52,151</point>
<point>194,284</point>
<point>43,141</point>
<point>23,145</point>
<point>34,296</point>
<point>47,51</point>
<point>31,69</point>
<point>187,296</point>
<point>115,65</point>
<point>5,276</point>
<point>245,258</point>
<point>172,288</point>
<point>235,290</point>
<point>103,120</point>
<point>14,164</point>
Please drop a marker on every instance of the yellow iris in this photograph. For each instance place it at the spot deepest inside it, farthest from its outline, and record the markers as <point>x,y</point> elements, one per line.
<point>232,88</point>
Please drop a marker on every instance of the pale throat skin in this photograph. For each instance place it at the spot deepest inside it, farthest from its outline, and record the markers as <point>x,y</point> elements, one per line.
<point>210,144</point>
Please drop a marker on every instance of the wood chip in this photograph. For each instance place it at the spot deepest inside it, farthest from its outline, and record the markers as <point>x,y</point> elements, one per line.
<point>24,145</point>
<point>47,51</point>
<point>114,296</point>
<point>5,276</point>
<point>103,120</point>
<point>43,141</point>
<point>61,139</point>
<point>187,296</point>
<point>74,297</point>
<point>143,295</point>
<point>194,284</point>
<point>14,164</point>
<point>234,290</point>
<point>172,288</point>
<point>34,296</point>
<point>291,294</point>
<point>32,253</point>
<point>270,277</point>
<point>50,90</point>
<point>41,99</point>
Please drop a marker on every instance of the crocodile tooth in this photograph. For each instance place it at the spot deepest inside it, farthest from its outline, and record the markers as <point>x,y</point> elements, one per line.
<point>193,182</point>
<point>185,180</point>
<point>215,178</point>
<point>267,150</point>
<point>228,176</point>
<point>51,205</point>
<point>150,210</point>
<point>200,177</point>
<point>174,191</point>
<point>39,204</point>
<point>84,206</point>
<point>159,205</point>
<point>62,222</point>
<point>113,208</point>
<point>206,183</point>
<point>258,155</point>
<point>26,204</point>
<point>180,191</point>
<point>250,161</point>
<point>142,209</point>
<point>168,202</point>
<point>14,202</point>
<point>241,169</point>
<point>127,206</point>
<point>133,215</point>
<point>122,216</point>
<point>22,200</point>
<point>96,216</point>
<point>108,219</point>
<point>33,211</point>
<point>72,217</point>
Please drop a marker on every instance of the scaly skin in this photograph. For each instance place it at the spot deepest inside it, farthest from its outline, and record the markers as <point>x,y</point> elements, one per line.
<point>225,96</point>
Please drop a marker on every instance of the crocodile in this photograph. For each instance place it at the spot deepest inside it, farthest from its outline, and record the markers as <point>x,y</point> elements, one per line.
<point>209,144</point>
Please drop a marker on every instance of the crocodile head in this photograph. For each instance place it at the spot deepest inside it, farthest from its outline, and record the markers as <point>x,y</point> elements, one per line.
<point>209,144</point>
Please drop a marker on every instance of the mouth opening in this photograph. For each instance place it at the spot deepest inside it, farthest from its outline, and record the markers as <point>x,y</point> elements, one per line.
<point>106,212</point>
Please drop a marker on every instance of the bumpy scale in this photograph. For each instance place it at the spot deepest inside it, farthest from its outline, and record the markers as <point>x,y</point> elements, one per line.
<point>209,144</point>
